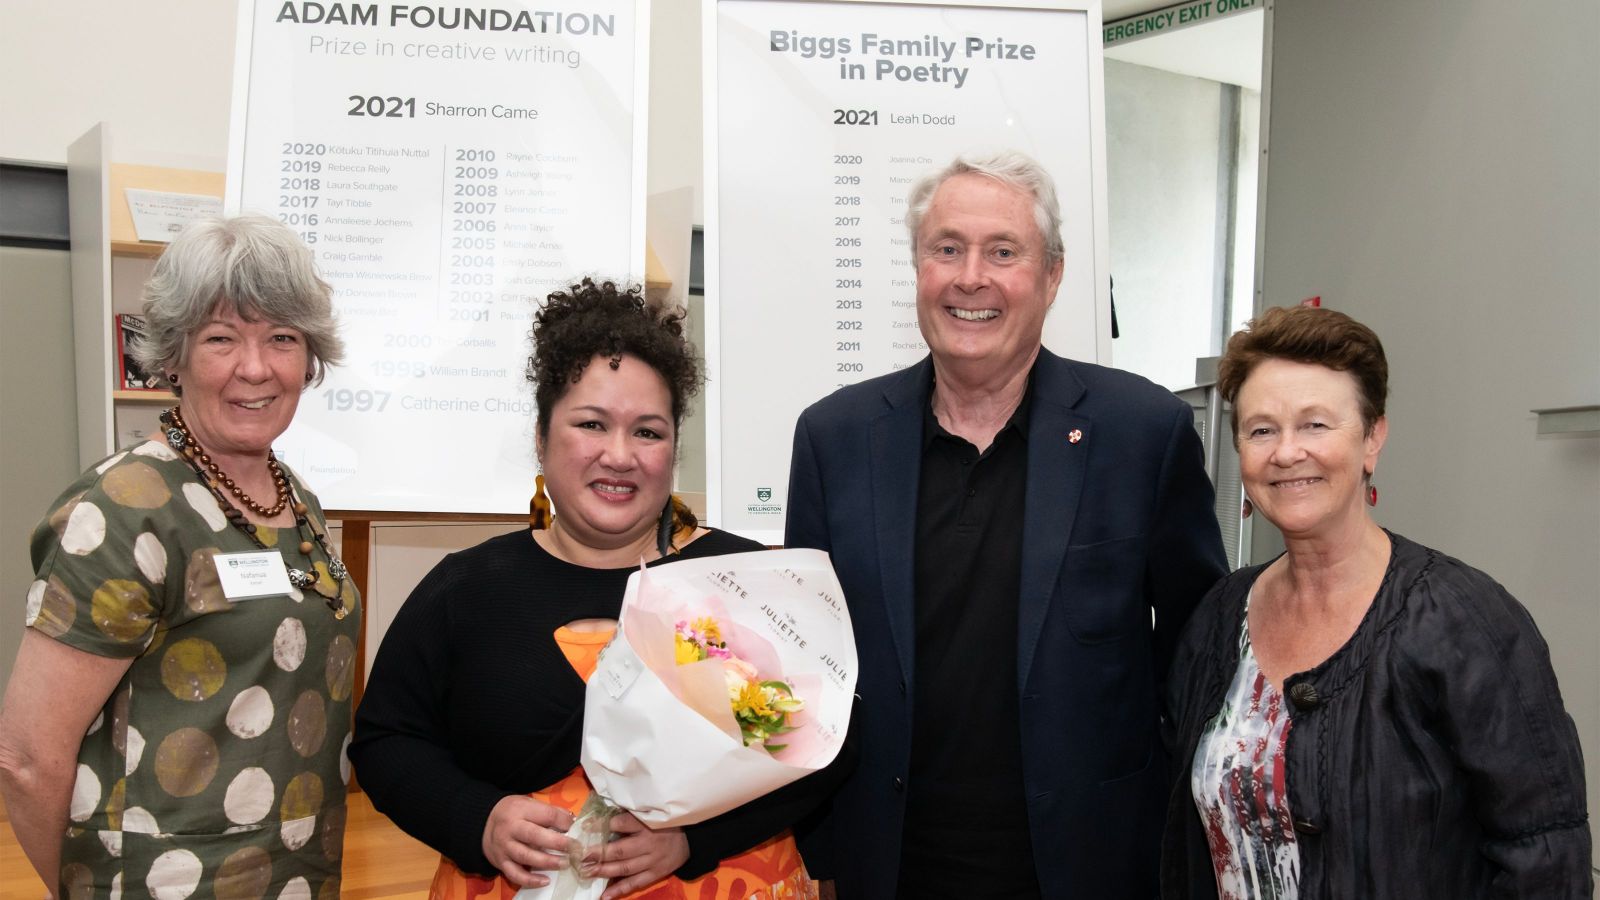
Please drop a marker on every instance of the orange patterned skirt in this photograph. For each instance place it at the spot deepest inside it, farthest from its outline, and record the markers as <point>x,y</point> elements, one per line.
<point>770,871</point>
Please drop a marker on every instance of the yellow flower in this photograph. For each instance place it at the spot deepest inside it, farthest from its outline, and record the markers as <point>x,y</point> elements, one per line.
<point>709,629</point>
<point>752,701</point>
<point>685,652</point>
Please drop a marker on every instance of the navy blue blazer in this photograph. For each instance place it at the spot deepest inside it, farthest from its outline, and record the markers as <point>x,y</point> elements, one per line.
<point>1117,525</point>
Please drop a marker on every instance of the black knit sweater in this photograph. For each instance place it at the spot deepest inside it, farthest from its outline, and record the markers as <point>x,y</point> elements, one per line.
<point>471,700</point>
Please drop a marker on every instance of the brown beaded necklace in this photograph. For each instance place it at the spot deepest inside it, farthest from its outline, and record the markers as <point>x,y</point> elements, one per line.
<point>216,478</point>
<point>181,440</point>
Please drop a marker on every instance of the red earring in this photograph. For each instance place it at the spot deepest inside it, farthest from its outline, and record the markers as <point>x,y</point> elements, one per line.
<point>1372,494</point>
<point>1246,509</point>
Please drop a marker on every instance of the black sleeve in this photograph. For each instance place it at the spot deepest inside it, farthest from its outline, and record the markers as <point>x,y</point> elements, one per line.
<point>1503,720</point>
<point>738,830</point>
<point>1186,557</point>
<point>400,749</point>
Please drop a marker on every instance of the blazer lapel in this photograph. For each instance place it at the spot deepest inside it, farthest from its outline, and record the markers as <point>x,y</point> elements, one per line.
<point>896,465</point>
<point>1056,465</point>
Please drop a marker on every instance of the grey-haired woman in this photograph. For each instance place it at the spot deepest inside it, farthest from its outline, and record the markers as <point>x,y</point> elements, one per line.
<point>176,720</point>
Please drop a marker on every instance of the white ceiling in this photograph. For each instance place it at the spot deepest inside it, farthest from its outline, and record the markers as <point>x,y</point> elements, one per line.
<point>1226,50</point>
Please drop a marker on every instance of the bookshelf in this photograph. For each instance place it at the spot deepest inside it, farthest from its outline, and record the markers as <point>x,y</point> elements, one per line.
<point>109,267</point>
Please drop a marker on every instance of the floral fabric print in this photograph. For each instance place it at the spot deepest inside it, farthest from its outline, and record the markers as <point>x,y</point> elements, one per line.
<point>1239,787</point>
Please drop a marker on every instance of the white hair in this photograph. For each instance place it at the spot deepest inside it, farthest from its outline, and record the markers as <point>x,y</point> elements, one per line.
<point>1010,167</point>
<point>256,265</point>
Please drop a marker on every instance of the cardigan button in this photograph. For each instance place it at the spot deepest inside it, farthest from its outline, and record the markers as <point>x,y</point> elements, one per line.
<point>1306,826</point>
<point>1304,696</point>
<point>899,785</point>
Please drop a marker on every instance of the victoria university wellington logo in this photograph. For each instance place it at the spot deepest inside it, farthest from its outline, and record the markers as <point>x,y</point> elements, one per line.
<point>764,505</point>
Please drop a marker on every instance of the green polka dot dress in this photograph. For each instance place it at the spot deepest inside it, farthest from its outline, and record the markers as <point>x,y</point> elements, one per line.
<point>217,767</point>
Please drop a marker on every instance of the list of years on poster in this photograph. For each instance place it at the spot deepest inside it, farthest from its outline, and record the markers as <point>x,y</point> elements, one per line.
<point>871,261</point>
<point>496,243</point>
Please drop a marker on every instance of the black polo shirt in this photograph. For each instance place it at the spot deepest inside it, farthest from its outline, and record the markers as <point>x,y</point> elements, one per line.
<point>966,826</point>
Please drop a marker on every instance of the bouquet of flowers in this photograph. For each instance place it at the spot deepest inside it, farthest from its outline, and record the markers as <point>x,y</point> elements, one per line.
<point>760,707</point>
<point>713,659</point>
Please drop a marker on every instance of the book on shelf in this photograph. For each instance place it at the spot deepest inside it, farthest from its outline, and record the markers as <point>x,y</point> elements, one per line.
<point>130,376</point>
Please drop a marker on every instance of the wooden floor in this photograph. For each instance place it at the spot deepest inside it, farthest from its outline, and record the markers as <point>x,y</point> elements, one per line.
<point>379,860</point>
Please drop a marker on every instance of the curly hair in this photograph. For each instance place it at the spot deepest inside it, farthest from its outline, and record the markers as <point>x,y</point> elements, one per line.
<point>592,319</point>
<point>1306,334</point>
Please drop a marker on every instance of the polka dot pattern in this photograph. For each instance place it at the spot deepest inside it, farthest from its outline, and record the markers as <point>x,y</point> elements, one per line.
<point>250,714</point>
<point>139,821</point>
<point>186,761</point>
<point>121,609</point>
<point>51,607</point>
<point>193,669</point>
<point>136,486</point>
<point>112,841</point>
<point>202,501</point>
<point>78,880</point>
<point>202,588</point>
<point>302,797</point>
<point>227,734</point>
<point>85,531</point>
<point>85,795</point>
<point>109,462</point>
<point>244,875</point>
<point>155,450</point>
<point>249,797</point>
<point>298,833</point>
<point>174,875</point>
<point>57,521</point>
<point>150,557</point>
<point>135,752</point>
<point>289,644</point>
<point>341,668</point>
<point>333,835</point>
<point>308,724</point>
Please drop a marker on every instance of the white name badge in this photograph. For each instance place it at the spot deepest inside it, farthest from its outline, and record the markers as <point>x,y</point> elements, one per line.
<point>246,576</point>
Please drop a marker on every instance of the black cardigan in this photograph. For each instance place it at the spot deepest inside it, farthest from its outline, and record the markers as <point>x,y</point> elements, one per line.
<point>471,700</point>
<point>1429,757</point>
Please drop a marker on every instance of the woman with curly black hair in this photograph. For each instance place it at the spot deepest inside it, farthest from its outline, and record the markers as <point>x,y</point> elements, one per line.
<point>469,731</point>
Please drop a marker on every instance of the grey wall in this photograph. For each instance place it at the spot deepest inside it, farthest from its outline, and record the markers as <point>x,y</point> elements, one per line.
<point>38,402</point>
<point>1434,170</point>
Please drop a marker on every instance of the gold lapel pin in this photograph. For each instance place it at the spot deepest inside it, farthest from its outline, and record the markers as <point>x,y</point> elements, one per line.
<point>1074,436</point>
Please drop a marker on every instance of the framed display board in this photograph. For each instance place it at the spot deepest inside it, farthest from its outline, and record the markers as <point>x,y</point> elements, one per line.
<point>449,166</point>
<point>819,118</point>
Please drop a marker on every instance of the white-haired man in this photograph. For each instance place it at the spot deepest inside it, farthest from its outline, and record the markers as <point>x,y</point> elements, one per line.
<point>1004,522</point>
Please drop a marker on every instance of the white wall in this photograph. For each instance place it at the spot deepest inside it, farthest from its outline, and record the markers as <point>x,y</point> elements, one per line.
<point>1433,172</point>
<point>1161,188</point>
<point>160,73</point>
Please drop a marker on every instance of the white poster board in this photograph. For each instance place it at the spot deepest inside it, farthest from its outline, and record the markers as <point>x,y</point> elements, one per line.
<point>819,117</point>
<point>449,166</point>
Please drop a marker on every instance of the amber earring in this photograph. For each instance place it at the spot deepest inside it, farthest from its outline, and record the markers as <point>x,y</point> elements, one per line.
<point>539,506</point>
